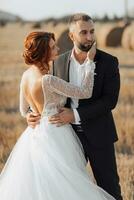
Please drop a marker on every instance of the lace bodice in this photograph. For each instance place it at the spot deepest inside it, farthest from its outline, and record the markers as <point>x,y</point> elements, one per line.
<point>56,91</point>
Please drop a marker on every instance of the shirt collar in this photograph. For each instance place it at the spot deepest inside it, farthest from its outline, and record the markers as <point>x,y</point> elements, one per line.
<point>72,57</point>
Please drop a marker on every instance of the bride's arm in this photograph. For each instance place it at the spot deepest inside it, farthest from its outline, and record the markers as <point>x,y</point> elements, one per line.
<point>24,106</point>
<point>69,90</point>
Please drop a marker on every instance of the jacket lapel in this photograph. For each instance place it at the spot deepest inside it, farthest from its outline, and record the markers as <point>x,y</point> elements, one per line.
<point>96,59</point>
<point>67,66</point>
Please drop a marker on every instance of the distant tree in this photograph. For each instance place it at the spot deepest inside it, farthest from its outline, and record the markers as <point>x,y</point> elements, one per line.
<point>115,18</point>
<point>36,25</point>
<point>3,23</point>
<point>105,18</point>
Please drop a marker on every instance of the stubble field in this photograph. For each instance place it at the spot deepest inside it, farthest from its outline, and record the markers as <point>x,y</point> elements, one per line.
<point>12,124</point>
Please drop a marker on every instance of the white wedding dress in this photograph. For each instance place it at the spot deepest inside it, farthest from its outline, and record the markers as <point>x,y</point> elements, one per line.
<point>47,163</point>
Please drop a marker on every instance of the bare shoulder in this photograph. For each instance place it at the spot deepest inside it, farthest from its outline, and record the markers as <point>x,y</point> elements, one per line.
<point>27,78</point>
<point>26,74</point>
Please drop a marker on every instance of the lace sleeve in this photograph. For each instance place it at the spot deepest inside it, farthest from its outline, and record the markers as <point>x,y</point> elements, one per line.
<point>24,106</point>
<point>69,90</point>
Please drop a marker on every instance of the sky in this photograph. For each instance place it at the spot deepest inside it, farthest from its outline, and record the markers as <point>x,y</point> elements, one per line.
<point>40,9</point>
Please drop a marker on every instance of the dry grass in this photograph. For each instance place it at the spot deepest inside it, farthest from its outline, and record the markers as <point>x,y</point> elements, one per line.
<point>12,124</point>
<point>124,113</point>
<point>126,172</point>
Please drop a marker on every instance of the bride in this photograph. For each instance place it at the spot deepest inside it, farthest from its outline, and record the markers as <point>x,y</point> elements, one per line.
<point>48,163</point>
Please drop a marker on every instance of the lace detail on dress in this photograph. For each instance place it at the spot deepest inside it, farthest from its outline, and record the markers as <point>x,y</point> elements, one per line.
<point>67,89</point>
<point>57,90</point>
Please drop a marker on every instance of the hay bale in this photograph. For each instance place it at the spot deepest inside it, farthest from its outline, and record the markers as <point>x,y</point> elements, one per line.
<point>102,32</point>
<point>132,41</point>
<point>64,42</point>
<point>126,37</point>
<point>110,35</point>
<point>132,38</point>
<point>114,37</point>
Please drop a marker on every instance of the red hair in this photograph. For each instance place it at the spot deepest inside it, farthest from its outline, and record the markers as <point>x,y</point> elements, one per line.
<point>37,47</point>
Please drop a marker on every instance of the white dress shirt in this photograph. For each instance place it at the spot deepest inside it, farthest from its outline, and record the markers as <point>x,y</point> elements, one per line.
<point>76,75</point>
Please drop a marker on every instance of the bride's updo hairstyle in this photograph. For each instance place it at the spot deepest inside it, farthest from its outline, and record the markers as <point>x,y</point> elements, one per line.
<point>36,47</point>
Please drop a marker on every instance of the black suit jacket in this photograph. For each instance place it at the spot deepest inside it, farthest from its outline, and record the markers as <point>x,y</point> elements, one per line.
<point>95,112</point>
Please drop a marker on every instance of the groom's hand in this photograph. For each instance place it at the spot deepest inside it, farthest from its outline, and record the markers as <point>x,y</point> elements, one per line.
<point>65,116</point>
<point>33,119</point>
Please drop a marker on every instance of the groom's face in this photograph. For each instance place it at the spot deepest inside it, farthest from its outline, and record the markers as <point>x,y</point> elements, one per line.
<point>83,35</point>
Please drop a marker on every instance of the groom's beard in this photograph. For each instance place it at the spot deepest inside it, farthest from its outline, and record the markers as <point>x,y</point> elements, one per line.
<point>84,47</point>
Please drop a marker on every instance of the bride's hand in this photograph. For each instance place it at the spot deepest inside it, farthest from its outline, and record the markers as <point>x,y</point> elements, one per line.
<point>91,53</point>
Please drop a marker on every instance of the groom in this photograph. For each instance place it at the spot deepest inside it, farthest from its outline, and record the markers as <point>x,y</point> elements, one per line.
<point>91,118</point>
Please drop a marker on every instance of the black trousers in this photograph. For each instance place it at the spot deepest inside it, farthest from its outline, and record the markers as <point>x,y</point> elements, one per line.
<point>103,164</point>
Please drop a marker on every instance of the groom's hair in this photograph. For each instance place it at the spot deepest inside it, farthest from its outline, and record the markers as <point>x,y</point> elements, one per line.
<point>78,17</point>
<point>36,47</point>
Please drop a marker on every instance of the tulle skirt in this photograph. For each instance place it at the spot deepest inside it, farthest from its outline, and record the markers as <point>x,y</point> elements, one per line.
<point>47,163</point>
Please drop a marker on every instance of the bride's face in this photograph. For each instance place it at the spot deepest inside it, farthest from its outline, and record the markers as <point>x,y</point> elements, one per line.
<point>53,50</point>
